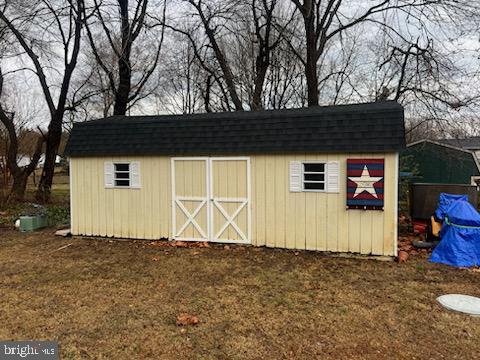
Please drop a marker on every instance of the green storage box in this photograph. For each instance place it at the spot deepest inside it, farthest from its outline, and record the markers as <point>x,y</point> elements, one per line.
<point>31,223</point>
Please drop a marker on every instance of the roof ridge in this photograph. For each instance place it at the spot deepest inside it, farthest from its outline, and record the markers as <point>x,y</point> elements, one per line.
<point>312,110</point>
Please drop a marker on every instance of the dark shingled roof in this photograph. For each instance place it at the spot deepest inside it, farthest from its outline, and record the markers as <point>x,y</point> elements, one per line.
<point>372,127</point>
<point>471,143</point>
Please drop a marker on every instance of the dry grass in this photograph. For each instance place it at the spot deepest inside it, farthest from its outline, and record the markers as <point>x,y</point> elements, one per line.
<point>120,300</point>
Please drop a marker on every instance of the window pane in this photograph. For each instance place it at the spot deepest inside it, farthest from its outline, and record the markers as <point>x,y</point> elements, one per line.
<point>120,175</point>
<point>315,177</point>
<point>312,167</point>
<point>314,186</point>
<point>122,167</point>
<point>122,182</point>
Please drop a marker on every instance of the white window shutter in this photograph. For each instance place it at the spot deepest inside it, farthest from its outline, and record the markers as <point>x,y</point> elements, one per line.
<point>295,176</point>
<point>333,177</point>
<point>135,174</point>
<point>108,174</point>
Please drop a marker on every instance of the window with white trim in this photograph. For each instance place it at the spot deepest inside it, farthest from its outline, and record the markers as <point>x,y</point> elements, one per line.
<point>121,174</point>
<point>313,176</point>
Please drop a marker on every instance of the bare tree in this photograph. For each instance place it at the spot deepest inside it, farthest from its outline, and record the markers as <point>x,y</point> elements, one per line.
<point>431,73</point>
<point>264,32</point>
<point>20,174</point>
<point>285,82</point>
<point>324,21</point>
<point>63,22</point>
<point>207,17</point>
<point>241,36</point>
<point>122,25</point>
<point>184,81</point>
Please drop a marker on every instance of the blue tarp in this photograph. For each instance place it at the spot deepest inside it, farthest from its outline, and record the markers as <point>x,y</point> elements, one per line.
<point>444,202</point>
<point>460,236</point>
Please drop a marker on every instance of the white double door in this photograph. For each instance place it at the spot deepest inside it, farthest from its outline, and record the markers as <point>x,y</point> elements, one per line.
<point>211,199</point>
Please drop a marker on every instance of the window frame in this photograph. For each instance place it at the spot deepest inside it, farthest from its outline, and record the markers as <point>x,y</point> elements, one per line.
<point>324,173</point>
<point>129,172</point>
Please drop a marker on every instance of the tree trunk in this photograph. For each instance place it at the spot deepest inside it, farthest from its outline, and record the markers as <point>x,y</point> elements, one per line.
<point>312,82</point>
<point>123,91</point>
<point>17,192</point>
<point>311,74</point>
<point>124,67</point>
<point>261,66</point>
<point>206,95</point>
<point>53,142</point>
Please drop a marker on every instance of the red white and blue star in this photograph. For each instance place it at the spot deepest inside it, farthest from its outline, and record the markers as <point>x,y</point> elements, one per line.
<point>365,179</point>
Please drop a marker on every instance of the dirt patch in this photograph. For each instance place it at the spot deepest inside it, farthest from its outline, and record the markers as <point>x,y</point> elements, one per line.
<point>103,299</point>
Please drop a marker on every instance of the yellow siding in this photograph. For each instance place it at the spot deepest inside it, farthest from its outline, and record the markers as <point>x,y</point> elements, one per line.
<point>320,221</point>
<point>143,213</point>
<point>280,218</point>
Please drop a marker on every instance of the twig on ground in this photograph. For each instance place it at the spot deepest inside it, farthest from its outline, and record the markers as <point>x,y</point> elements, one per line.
<point>60,248</point>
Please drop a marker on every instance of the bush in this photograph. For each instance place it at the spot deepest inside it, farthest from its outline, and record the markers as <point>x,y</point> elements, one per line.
<point>58,215</point>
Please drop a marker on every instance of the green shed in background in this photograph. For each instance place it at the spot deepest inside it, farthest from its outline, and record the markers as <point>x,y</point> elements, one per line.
<point>433,162</point>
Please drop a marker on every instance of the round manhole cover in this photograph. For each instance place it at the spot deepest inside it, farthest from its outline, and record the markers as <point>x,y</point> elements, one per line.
<point>462,303</point>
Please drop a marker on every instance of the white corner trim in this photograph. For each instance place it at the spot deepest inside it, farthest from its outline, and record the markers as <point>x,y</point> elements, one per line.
<point>395,228</point>
<point>71,191</point>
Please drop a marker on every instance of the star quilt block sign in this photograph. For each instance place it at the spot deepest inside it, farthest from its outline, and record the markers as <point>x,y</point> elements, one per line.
<point>365,179</point>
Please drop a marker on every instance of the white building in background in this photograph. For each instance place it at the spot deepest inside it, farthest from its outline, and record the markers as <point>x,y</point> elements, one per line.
<point>23,160</point>
<point>58,158</point>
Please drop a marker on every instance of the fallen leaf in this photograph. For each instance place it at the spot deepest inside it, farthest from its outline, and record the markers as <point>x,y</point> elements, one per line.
<point>402,256</point>
<point>185,319</point>
<point>180,244</point>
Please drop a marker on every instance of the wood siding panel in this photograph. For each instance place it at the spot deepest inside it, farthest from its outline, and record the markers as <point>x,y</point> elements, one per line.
<point>281,176</point>
<point>299,218</point>
<point>333,201</point>
<point>258,176</point>
<point>342,213</point>
<point>290,212</point>
<point>270,201</point>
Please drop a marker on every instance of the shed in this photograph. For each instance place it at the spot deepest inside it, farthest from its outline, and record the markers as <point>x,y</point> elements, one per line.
<point>440,163</point>
<point>318,178</point>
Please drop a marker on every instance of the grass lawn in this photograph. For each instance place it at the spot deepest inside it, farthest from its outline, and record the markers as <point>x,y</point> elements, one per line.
<point>120,300</point>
